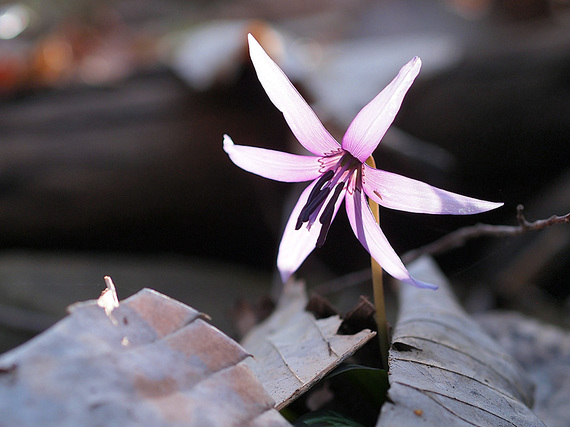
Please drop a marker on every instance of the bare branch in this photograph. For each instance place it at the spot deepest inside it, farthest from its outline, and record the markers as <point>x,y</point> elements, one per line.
<point>459,237</point>
<point>450,241</point>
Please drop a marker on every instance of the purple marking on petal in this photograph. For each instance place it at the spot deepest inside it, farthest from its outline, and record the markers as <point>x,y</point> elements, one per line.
<point>302,120</point>
<point>312,205</point>
<point>296,245</point>
<point>316,198</point>
<point>371,123</point>
<point>398,192</point>
<point>328,214</point>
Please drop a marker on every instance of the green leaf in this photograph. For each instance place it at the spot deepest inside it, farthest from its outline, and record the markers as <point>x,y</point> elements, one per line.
<point>371,382</point>
<point>326,419</point>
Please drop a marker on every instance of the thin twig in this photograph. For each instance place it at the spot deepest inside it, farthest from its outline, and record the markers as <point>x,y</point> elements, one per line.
<point>450,241</point>
<point>459,237</point>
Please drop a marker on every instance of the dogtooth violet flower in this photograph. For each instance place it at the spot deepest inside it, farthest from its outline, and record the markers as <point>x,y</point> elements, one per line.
<point>339,172</point>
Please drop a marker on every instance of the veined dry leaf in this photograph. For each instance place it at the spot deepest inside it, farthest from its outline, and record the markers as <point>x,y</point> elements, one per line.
<point>544,352</point>
<point>444,370</point>
<point>292,350</point>
<point>159,364</point>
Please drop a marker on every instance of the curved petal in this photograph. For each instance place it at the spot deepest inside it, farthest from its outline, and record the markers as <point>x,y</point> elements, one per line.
<point>371,123</point>
<point>370,235</point>
<point>296,245</point>
<point>273,164</point>
<point>406,194</point>
<point>302,120</point>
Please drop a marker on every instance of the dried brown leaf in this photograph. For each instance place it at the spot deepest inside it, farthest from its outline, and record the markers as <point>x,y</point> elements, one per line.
<point>444,370</point>
<point>292,350</point>
<point>544,351</point>
<point>159,364</point>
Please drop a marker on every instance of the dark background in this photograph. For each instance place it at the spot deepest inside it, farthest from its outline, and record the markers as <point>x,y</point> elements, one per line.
<point>111,159</point>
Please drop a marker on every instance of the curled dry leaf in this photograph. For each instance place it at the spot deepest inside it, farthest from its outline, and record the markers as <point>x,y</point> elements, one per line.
<point>444,370</point>
<point>108,299</point>
<point>292,350</point>
<point>160,364</point>
<point>544,351</point>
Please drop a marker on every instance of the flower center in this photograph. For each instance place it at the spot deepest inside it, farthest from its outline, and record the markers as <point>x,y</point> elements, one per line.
<point>340,171</point>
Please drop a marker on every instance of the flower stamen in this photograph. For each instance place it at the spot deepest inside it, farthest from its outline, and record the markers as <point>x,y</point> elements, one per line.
<point>327,215</point>
<point>340,174</point>
<point>315,199</point>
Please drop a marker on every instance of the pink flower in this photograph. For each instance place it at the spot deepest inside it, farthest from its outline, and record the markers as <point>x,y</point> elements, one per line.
<point>339,172</point>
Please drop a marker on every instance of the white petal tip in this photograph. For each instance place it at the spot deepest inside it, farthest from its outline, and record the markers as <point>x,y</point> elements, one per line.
<point>285,275</point>
<point>419,284</point>
<point>484,206</point>
<point>429,286</point>
<point>415,63</point>
<point>227,141</point>
<point>252,42</point>
<point>423,285</point>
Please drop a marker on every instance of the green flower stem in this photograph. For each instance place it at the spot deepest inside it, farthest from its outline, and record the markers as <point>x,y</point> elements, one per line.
<point>378,287</point>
